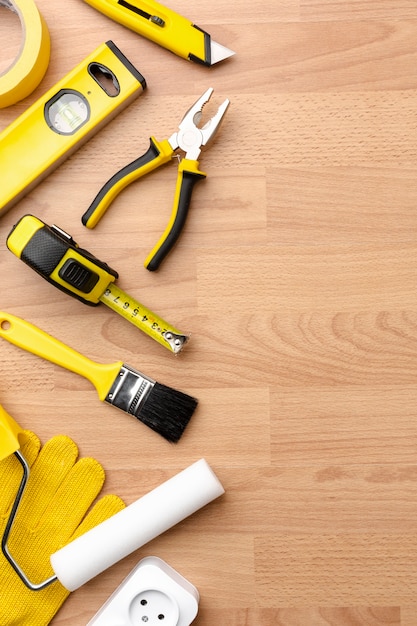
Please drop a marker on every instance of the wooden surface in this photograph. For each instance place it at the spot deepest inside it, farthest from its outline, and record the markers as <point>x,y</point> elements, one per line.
<point>296,275</point>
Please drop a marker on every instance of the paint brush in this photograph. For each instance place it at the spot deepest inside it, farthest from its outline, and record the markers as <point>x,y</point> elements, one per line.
<point>161,408</point>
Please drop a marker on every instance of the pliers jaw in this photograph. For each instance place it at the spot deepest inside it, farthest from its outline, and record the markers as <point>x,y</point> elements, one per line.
<point>189,137</point>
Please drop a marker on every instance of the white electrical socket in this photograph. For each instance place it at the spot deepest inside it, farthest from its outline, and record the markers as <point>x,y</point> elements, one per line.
<point>153,594</point>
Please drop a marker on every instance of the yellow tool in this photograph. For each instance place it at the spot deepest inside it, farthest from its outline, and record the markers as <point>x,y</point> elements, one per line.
<point>10,444</point>
<point>166,28</point>
<point>54,254</point>
<point>64,118</point>
<point>190,139</point>
<point>165,410</point>
<point>27,71</point>
<point>9,434</point>
<point>46,502</point>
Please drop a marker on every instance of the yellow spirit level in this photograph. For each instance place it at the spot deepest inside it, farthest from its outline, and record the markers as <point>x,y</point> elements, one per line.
<point>53,254</point>
<point>64,118</point>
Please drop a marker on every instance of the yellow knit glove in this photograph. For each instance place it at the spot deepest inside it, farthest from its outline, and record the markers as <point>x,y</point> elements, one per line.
<point>52,513</point>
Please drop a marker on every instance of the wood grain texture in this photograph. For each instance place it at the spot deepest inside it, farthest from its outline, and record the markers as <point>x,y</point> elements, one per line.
<point>296,276</point>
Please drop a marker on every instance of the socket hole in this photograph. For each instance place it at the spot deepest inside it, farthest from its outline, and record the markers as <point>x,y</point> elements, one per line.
<point>5,325</point>
<point>153,606</point>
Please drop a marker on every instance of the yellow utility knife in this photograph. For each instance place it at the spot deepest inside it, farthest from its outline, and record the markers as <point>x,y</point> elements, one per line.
<point>166,28</point>
<point>189,139</point>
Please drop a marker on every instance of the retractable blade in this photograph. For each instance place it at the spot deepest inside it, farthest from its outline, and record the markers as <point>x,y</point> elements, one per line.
<point>166,28</point>
<point>142,317</point>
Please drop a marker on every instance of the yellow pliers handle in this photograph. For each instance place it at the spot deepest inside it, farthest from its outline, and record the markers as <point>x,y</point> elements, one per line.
<point>188,175</point>
<point>190,138</point>
<point>158,153</point>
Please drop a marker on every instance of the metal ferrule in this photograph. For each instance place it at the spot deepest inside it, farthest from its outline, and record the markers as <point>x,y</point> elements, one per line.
<point>130,390</point>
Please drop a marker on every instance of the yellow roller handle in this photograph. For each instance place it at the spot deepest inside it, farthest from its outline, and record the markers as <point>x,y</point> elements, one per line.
<point>32,339</point>
<point>157,154</point>
<point>9,434</point>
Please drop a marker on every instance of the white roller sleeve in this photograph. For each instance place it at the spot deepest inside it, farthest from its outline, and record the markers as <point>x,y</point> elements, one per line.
<point>157,511</point>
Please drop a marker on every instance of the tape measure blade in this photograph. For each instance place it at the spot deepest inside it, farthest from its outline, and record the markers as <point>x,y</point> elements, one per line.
<point>144,319</point>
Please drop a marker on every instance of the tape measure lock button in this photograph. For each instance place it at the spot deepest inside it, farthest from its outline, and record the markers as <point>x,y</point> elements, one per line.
<point>78,275</point>
<point>28,69</point>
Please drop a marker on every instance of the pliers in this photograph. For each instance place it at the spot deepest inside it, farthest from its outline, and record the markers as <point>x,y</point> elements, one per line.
<point>190,139</point>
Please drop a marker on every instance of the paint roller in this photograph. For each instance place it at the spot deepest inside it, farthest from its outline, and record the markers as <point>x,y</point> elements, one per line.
<point>154,513</point>
<point>123,533</point>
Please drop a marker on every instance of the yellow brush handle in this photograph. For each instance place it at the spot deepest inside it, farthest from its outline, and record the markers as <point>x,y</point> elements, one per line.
<point>32,339</point>
<point>9,432</point>
<point>157,154</point>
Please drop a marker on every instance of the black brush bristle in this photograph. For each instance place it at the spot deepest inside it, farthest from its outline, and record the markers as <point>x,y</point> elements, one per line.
<point>167,411</point>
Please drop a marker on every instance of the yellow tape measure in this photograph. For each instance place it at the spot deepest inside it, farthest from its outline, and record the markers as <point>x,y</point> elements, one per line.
<point>28,69</point>
<point>145,319</point>
<point>53,254</point>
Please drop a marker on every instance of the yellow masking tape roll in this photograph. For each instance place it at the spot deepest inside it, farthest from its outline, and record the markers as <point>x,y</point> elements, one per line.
<point>27,71</point>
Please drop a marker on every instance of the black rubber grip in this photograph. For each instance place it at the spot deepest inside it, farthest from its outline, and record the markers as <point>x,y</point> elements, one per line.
<point>151,154</point>
<point>44,251</point>
<point>189,179</point>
